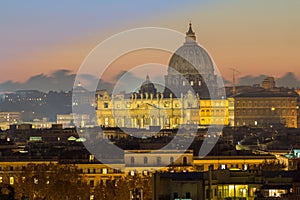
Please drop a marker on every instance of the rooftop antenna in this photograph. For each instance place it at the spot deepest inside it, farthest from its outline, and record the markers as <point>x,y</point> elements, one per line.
<point>234,72</point>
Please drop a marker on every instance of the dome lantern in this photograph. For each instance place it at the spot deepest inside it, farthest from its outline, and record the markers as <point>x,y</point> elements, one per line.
<point>190,35</point>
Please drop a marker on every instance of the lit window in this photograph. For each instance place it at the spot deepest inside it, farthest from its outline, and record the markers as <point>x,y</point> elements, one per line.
<point>104,171</point>
<point>11,180</point>
<point>1,180</point>
<point>192,83</point>
<point>223,166</point>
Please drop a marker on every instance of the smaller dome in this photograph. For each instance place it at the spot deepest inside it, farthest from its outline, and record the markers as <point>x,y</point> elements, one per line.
<point>147,87</point>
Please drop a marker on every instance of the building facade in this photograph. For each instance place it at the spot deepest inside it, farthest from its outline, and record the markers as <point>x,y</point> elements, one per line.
<point>265,108</point>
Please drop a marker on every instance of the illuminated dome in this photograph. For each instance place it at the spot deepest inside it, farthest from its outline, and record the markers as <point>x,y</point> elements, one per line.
<point>190,68</point>
<point>191,58</point>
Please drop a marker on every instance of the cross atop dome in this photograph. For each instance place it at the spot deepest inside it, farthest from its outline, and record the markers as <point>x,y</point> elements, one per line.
<point>190,34</point>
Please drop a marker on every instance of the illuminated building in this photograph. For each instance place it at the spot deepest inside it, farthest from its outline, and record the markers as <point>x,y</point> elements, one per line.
<point>264,108</point>
<point>67,120</point>
<point>8,118</point>
<point>223,184</point>
<point>186,99</point>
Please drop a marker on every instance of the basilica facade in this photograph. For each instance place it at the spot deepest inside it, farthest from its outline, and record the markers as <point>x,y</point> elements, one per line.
<point>190,95</point>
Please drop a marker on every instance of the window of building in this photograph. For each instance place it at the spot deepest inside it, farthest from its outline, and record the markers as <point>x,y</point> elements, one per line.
<point>11,180</point>
<point>184,160</point>
<point>175,195</point>
<point>158,160</point>
<point>192,83</point>
<point>104,171</point>
<point>223,166</point>
<point>1,179</point>
<point>106,121</point>
<point>207,193</point>
<point>105,105</point>
<point>297,191</point>
<point>171,160</point>
<point>92,183</point>
<point>187,195</point>
<point>145,160</point>
<point>132,160</point>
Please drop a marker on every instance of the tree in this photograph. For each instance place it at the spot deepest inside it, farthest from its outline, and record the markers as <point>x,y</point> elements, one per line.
<point>51,182</point>
<point>121,188</point>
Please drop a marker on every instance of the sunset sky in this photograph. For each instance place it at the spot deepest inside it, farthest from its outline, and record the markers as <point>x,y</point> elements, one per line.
<point>255,37</point>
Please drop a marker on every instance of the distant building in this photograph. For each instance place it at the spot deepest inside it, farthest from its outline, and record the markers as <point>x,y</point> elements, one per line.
<point>8,118</point>
<point>264,108</point>
<point>268,83</point>
<point>41,123</point>
<point>68,120</point>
